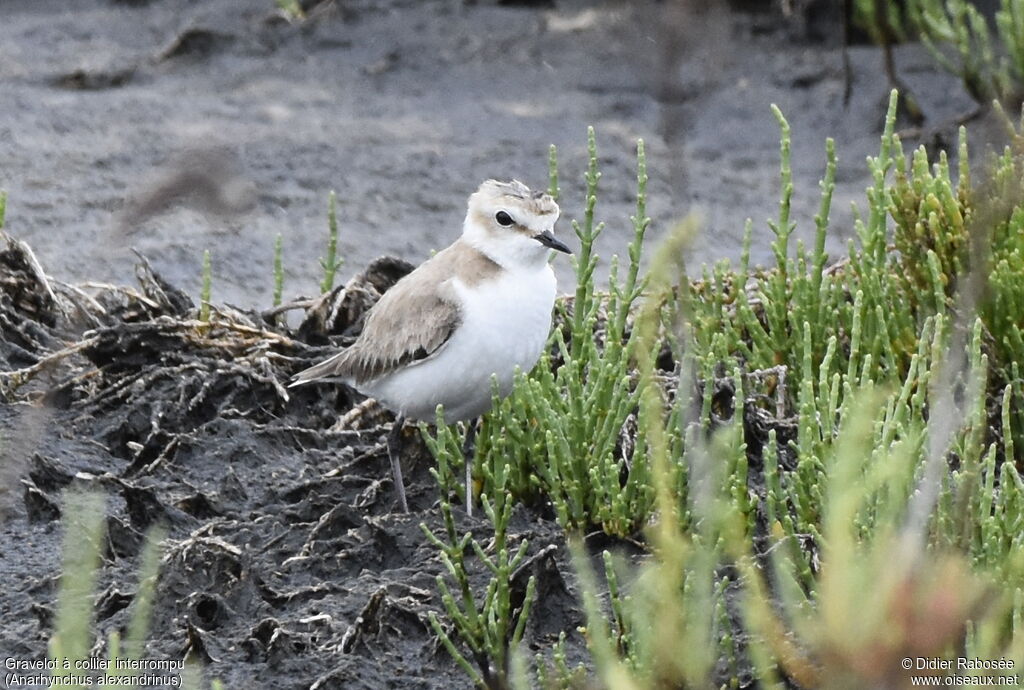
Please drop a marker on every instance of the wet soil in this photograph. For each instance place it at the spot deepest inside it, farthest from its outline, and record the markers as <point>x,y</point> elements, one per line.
<point>286,564</point>
<point>175,126</point>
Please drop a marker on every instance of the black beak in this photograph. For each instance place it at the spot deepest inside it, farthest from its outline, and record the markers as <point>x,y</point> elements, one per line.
<point>552,242</point>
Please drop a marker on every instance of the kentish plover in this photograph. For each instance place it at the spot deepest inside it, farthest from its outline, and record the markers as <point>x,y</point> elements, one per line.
<point>479,309</point>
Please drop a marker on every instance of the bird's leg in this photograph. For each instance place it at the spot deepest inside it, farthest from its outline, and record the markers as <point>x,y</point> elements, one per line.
<point>394,454</point>
<point>469,455</point>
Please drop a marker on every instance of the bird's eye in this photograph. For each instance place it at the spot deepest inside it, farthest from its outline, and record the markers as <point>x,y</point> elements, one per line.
<point>503,218</point>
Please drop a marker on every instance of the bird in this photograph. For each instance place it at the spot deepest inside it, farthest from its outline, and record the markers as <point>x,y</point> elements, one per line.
<point>476,311</point>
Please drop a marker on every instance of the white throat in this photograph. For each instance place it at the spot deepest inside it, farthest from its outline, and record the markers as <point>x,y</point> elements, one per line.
<point>511,250</point>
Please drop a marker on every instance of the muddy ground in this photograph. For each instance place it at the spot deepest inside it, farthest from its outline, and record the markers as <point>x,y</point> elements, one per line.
<point>286,564</point>
<point>174,126</point>
<point>403,107</point>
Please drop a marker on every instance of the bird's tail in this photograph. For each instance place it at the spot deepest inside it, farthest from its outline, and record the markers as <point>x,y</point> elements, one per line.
<point>327,371</point>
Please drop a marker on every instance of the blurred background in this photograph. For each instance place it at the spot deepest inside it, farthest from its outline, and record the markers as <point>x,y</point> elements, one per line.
<point>177,126</point>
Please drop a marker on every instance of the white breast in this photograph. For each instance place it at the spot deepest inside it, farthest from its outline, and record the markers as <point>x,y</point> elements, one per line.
<point>505,323</point>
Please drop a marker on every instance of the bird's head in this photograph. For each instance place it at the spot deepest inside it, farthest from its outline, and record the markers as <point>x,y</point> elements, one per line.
<point>511,224</point>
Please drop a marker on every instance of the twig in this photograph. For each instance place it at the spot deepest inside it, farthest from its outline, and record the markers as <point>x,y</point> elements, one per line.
<point>363,621</point>
<point>299,303</point>
<point>548,550</point>
<point>920,131</point>
<point>40,275</point>
<point>11,381</point>
<point>82,294</point>
<point>131,293</point>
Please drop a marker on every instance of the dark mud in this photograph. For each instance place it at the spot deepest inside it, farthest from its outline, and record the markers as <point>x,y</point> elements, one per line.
<point>176,126</point>
<point>286,565</point>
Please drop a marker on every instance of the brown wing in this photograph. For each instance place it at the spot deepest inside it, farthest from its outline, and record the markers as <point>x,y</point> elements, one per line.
<point>411,322</point>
